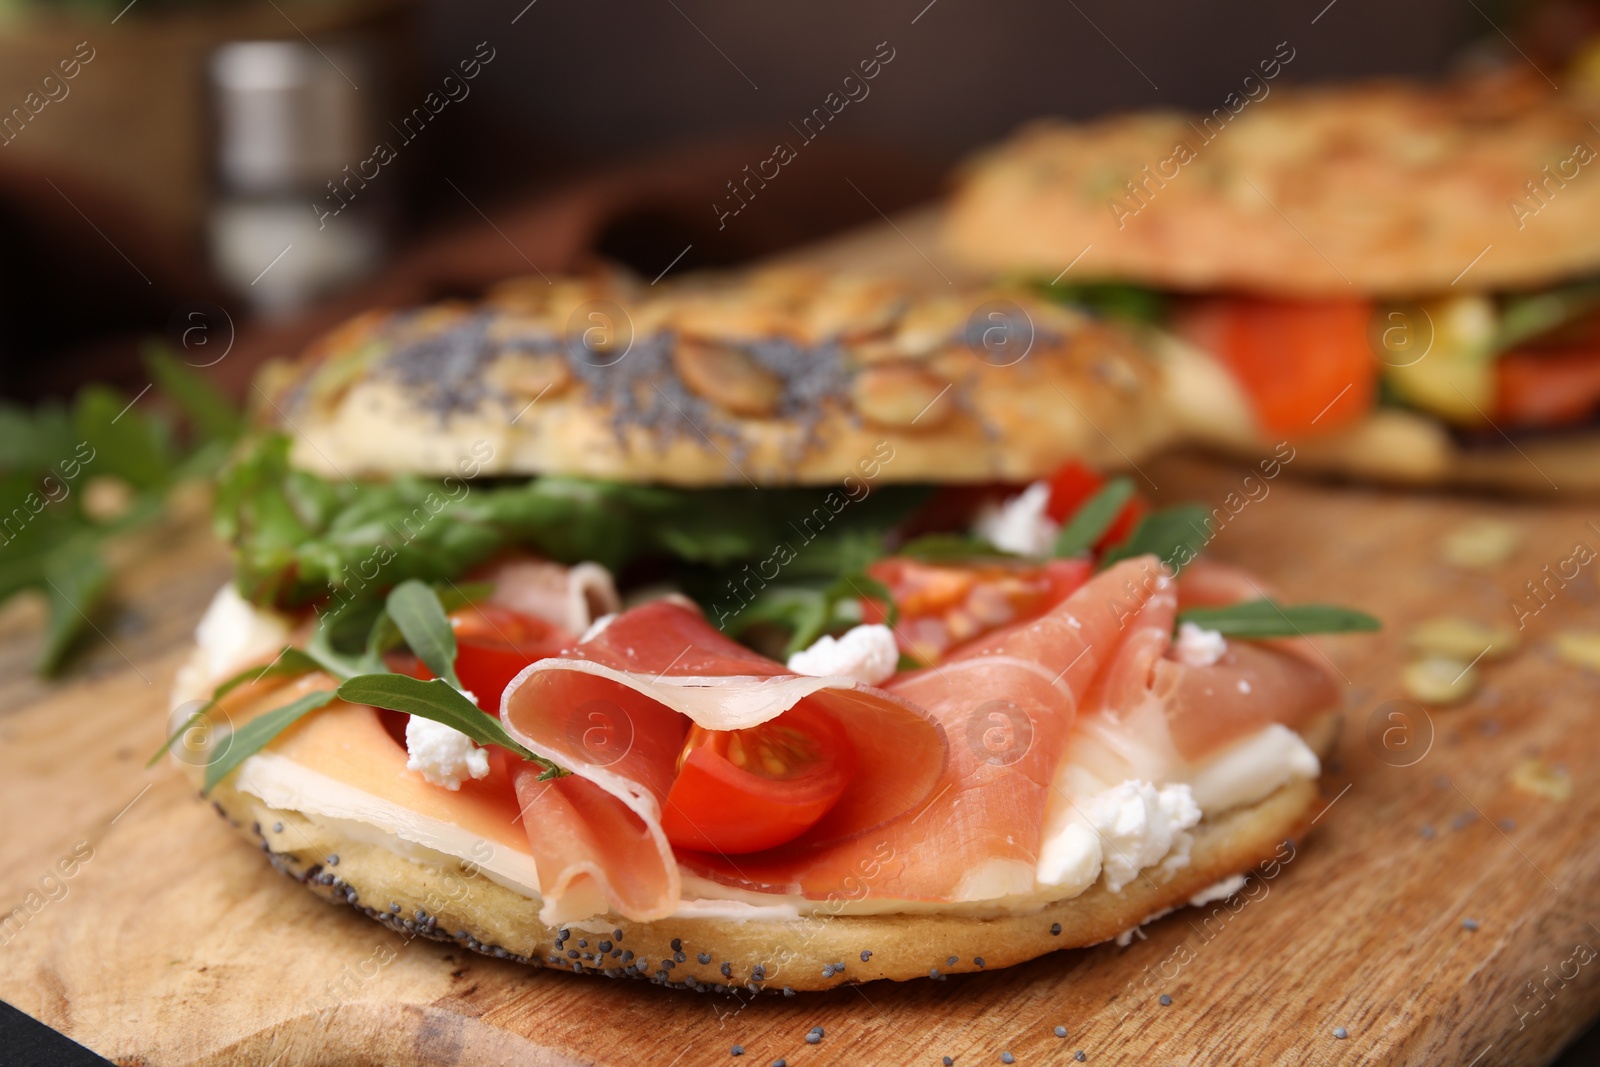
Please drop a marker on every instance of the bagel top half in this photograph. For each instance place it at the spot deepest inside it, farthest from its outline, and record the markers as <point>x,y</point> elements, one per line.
<point>1385,189</point>
<point>775,377</point>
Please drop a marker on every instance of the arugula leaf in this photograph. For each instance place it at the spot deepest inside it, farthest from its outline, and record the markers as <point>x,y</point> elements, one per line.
<point>76,581</point>
<point>1255,619</point>
<point>951,546</point>
<point>297,537</point>
<point>256,734</point>
<point>416,611</point>
<point>436,699</point>
<point>1525,316</point>
<point>1117,300</point>
<point>208,408</point>
<point>290,662</point>
<point>1093,518</point>
<point>1175,535</point>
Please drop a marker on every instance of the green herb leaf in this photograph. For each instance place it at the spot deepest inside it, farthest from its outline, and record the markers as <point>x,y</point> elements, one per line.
<point>1118,300</point>
<point>951,546</point>
<point>259,732</point>
<point>436,699</point>
<point>1254,619</point>
<point>1093,518</point>
<point>416,611</point>
<point>1174,535</point>
<point>290,662</point>
<point>76,580</point>
<point>1525,316</point>
<point>212,415</point>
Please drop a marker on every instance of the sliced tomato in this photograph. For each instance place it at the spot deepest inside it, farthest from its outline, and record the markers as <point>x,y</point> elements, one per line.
<point>1306,364</point>
<point>943,605</point>
<point>1070,489</point>
<point>493,645</point>
<point>1547,386</point>
<point>748,790</point>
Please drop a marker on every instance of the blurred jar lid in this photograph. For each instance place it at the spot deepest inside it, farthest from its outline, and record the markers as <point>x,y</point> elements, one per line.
<point>289,114</point>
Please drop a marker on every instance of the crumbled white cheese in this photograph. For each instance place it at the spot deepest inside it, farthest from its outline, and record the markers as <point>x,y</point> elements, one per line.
<point>1020,525</point>
<point>1141,826</point>
<point>1220,891</point>
<point>866,653</point>
<point>233,632</point>
<point>442,754</point>
<point>1199,647</point>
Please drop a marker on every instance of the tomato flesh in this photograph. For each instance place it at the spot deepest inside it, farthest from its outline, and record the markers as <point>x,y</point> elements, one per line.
<point>747,790</point>
<point>944,605</point>
<point>1070,489</point>
<point>1547,387</point>
<point>493,645</point>
<point>1306,364</point>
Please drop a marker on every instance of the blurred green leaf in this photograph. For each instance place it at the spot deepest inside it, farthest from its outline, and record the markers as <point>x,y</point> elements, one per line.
<point>213,416</point>
<point>76,580</point>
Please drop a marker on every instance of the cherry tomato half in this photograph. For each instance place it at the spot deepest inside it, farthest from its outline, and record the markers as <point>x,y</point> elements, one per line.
<point>1306,364</point>
<point>747,790</point>
<point>493,645</point>
<point>1070,489</point>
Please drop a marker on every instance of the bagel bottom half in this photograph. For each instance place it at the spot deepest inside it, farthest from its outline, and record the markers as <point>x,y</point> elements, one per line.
<point>449,900</point>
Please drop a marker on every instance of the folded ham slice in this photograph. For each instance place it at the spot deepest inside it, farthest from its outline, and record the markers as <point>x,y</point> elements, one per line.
<point>955,762</point>
<point>616,710</point>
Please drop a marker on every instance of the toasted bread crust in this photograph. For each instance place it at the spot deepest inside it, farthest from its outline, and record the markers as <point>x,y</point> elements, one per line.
<point>1382,188</point>
<point>772,377</point>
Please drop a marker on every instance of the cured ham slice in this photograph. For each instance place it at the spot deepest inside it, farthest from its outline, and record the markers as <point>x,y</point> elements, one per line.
<point>1253,685</point>
<point>616,711</point>
<point>971,830</point>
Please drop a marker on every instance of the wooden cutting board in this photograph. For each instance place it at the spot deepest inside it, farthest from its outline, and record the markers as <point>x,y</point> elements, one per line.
<point>173,942</point>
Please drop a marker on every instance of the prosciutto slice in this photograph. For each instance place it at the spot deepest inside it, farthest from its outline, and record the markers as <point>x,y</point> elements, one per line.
<point>955,762</point>
<point>616,710</point>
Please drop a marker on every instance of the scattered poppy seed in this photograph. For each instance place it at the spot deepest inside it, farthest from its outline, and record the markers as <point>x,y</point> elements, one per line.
<point>1460,822</point>
<point>704,957</point>
<point>952,961</point>
<point>780,1063</point>
<point>677,944</point>
<point>866,954</point>
<point>1340,1032</point>
<point>1165,1000</point>
<point>737,1050</point>
<point>1055,929</point>
<point>277,827</point>
<point>819,1031</point>
<point>933,972</point>
<point>827,970</point>
<point>978,960</point>
<point>583,943</point>
<point>1470,924</point>
<point>1006,1057</point>
<point>948,1062</point>
<point>1508,824</point>
<point>788,991</point>
<point>727,970</point>
<point>680,957</point>
<point>604,946</point>
<point>333,860</point>
<point>813,1037</point>
<point>1061,1031</point>
<point>1427,833</point>
<point>1079,1056</point>
<point>616,935</point>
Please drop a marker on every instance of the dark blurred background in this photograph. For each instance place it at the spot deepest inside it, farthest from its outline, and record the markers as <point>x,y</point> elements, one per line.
<point>140,195</point>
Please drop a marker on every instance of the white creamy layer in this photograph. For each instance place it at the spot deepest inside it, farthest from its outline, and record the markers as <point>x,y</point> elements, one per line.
<point>1123,802</point>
